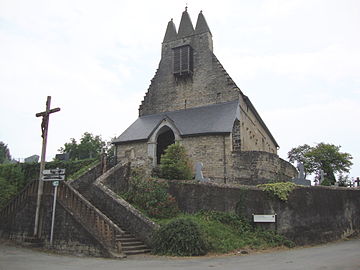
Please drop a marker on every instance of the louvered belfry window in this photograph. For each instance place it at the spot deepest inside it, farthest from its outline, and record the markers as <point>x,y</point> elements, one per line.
<point>183,60</point>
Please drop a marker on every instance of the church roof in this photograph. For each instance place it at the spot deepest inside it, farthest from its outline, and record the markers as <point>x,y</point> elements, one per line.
<point>211,119</point>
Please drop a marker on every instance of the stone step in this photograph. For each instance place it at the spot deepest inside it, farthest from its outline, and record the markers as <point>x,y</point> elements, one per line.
<point>136,252</point>
<point>131,243</point>
<point>133,248</point>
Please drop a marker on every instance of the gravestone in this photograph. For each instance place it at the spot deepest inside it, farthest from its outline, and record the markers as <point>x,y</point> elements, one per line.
<point>300,180</point>
<point>322,174</point>
<point>357,181</point>
<point>199,174</point>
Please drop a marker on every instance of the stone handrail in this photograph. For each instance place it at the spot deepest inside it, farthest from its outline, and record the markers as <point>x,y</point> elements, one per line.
<point>101,227</point>
<point>29,190</point>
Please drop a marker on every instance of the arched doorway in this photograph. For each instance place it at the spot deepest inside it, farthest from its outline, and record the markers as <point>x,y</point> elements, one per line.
<point>165,138</point>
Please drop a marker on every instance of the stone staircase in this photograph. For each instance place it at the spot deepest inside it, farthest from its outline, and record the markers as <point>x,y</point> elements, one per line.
<point>131,245</point>
<point>117,241</point>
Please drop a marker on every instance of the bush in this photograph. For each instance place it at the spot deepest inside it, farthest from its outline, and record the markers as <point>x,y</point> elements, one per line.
<point>281,190</point>
<point>151,197</point>
<point>180,237</point>
<point>175,164</point>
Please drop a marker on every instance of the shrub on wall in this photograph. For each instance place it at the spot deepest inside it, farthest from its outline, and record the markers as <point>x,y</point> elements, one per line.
<point>180,237</point>
<point>151,197</point>
<point>280,190</point>
<point>175,163</point>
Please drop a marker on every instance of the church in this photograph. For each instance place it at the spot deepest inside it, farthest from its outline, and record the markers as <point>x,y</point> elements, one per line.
<point>193,100</point>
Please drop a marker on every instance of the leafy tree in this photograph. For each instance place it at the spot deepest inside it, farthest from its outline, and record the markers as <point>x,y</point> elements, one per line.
<point>4,153</point>
<point>298,154</point>
<point>90,146</point>
<point>175,164</point>
<point>323,156</point>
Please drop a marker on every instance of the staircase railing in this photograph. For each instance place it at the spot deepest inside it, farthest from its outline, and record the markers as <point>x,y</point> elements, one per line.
<point>29,190</point>
<point>100,226</point>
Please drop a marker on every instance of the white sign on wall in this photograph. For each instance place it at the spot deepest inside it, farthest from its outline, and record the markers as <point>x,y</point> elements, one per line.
<point>264,218</point>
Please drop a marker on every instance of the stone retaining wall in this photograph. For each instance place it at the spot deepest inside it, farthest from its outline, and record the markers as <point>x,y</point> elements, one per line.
<point>311,214</point>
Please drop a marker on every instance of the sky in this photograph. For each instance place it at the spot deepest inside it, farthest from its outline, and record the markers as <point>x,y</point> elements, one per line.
<point>297,60</point>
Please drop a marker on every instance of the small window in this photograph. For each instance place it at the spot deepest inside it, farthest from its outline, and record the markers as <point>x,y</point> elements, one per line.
<point>183,61</point>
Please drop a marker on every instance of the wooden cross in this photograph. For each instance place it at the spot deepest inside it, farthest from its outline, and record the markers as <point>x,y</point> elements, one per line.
<point>44,132</point>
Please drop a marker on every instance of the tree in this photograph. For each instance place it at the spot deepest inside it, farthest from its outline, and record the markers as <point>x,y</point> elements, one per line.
<point>298,154</point>
<point>175,164</point>
<point>4,153</point>
<point>90,146</point>
<point>326,157</point>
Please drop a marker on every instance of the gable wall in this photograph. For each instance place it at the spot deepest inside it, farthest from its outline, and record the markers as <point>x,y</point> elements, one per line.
<point>209,83</point>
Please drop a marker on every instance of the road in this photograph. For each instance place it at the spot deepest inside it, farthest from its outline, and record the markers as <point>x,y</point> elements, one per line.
<point>343,255</point>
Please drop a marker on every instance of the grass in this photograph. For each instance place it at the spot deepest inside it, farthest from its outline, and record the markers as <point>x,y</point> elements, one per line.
<point>228,232</point>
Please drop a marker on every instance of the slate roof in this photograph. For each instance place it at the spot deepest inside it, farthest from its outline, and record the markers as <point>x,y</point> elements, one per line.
<point>211,119</point>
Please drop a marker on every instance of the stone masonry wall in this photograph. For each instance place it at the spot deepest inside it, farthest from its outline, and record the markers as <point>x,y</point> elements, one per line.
<point>256,167</point>
<point>118,210</point>
<point>311,214</point>
<point>253,135</point>
<point>221,164</point>
<point>136,152</point>
<point>211,152</point>
<point>69,236</point>
<point>209,83</point>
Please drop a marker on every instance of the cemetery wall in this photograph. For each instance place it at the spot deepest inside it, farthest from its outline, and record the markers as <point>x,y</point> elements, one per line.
<point>311,214</point>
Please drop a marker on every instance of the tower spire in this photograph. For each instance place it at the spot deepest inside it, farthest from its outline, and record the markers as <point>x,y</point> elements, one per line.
<point>170,33</point>
<point>201,25</point>
<point>186,27</point>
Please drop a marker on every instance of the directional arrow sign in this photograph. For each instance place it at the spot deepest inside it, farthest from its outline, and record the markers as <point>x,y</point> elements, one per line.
<point>53,171</point>
<point>53,177</point>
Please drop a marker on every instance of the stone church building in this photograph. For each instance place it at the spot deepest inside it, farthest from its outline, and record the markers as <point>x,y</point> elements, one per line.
<point>193,100</point>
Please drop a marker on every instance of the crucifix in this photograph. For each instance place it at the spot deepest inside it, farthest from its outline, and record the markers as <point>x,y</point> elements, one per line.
<point>44,132</point>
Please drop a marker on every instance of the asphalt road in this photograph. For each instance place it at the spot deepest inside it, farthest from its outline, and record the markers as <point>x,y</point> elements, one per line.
<point>335,256</point>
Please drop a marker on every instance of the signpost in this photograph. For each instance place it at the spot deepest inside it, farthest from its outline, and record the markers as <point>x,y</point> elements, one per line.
<point>54,175</point>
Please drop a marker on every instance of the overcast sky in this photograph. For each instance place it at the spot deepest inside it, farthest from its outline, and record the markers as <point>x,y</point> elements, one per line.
<point>297,60</point>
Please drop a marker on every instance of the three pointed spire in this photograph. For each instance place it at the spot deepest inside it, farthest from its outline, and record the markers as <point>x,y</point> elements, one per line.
<point>186,27</point>
<point>170,33</point>
<point>201,25</point>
